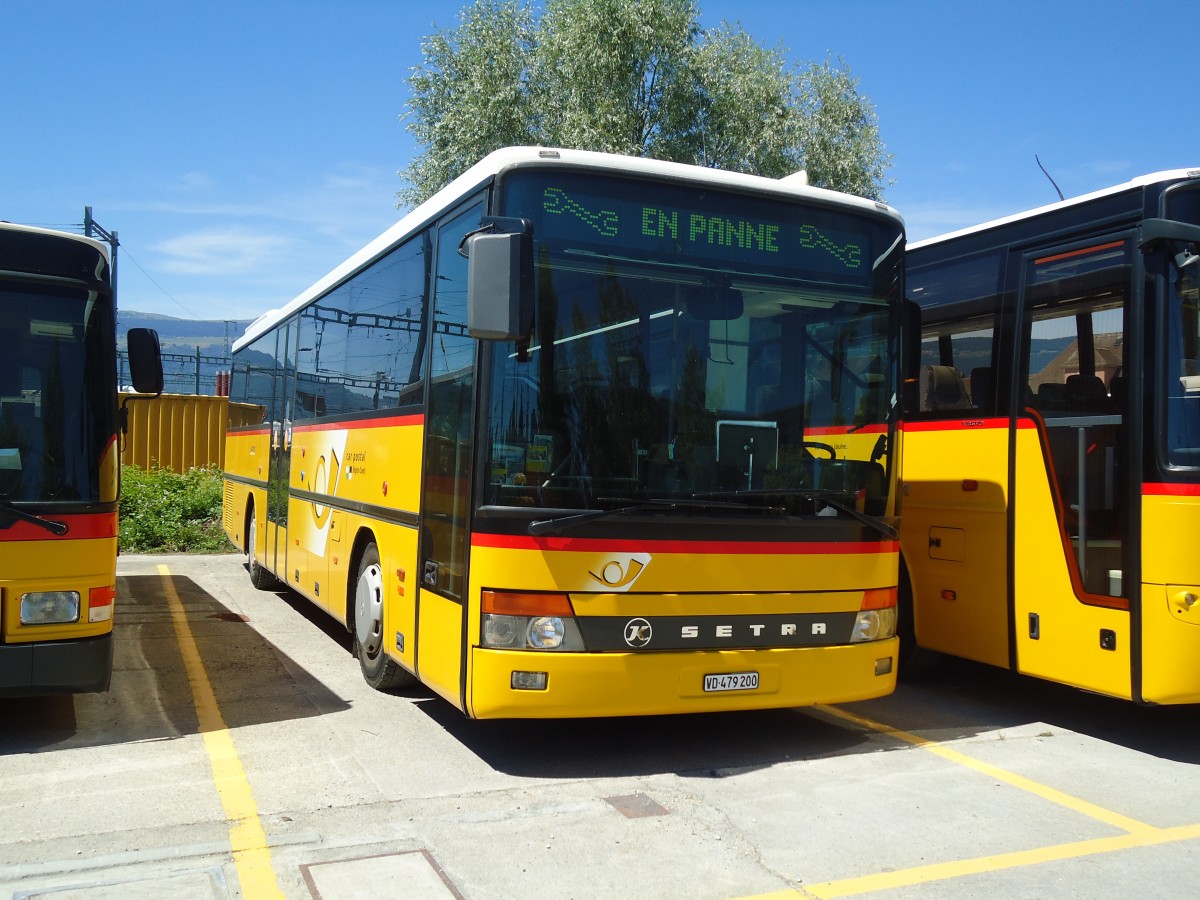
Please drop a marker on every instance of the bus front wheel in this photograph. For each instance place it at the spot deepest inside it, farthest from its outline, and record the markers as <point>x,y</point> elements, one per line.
<point>380,671</point>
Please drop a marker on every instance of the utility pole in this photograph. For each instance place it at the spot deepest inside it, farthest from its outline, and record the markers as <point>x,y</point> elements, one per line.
<point>92,229</point>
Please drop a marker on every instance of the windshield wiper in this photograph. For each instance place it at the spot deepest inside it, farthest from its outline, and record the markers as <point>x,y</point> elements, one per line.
<point>829,498</point>
<point>561,523</point>
<point>8,508</point>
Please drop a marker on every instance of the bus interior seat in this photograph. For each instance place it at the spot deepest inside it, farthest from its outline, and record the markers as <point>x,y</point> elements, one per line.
<point>942,387</point>
<point>1051,395</point>
<point>983,387</point>
<point>1116,391</point>
<point>1086,392</point>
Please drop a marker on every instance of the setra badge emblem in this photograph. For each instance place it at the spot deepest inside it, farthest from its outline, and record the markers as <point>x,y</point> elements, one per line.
<point>638,633</point>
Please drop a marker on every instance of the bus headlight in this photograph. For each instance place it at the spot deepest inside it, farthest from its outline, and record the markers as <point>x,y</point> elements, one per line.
<point>513,621</point>
<point>876,620</point>
<point>49,607</point>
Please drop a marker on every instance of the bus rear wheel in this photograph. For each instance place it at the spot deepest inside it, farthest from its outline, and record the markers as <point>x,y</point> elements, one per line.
<point>379,670</point>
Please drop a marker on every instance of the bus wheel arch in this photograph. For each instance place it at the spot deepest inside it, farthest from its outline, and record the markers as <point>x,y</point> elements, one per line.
<point>915,661</point>
<point>259,576</point>
<point>367,620</point>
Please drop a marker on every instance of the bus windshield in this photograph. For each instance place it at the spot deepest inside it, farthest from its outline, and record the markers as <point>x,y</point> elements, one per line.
<point>691,342</point>
<point>56,416</point>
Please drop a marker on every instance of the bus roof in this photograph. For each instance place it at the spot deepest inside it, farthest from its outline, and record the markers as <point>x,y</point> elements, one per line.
<point>99,246</point>
<point>795,186</point>
<point>1139,182</point>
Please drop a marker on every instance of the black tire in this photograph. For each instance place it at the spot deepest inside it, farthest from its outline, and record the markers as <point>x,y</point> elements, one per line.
<point>379,670</point>
<point>259,577</point>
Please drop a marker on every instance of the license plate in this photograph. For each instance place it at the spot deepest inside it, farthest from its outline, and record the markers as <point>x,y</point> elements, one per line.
<point>731,681</point>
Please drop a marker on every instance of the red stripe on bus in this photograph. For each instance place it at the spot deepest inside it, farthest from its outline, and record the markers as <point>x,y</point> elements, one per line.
<point>1083,252</point>
<point>80,526</point>
<point>1171,490</point>
<point>746,548</point>
<point>360,424</point>
<point>847,429</point>
<point>964,424</point>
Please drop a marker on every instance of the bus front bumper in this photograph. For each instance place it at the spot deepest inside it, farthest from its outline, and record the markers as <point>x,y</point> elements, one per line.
<point>635,684</point>
<point>56,667</point>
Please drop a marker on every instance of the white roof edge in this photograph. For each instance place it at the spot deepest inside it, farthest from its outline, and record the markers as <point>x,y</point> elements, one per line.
<point>55,232</point>
<point>1139,181</point>
<point>514,157</point>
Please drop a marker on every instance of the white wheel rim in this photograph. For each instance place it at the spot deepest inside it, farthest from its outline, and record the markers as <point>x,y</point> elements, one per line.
<point>368,609</point>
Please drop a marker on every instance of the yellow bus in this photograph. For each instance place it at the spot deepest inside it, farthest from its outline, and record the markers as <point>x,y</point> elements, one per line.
<point>587,435</point>
<point>59,459</point>
<point>1051,472</point>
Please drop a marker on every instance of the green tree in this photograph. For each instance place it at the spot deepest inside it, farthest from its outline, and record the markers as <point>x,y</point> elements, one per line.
<point>839,132</point>
<point>639,77</point>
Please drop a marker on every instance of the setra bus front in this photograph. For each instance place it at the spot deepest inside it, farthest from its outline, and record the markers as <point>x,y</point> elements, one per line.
<point>685,449</point>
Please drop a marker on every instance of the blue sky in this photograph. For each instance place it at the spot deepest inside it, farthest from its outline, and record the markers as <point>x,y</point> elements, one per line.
<point>243,148</point>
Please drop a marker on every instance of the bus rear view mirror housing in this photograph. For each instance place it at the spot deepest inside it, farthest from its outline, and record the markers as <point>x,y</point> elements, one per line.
<point>145,361</point>
<point>500,281</point>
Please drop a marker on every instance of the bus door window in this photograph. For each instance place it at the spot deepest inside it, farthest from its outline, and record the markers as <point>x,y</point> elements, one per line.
<point>281,440</point>
<point>1182,369</point>
<point>1181,355</point>
<point>1074,362</point>
<point>448,416</point>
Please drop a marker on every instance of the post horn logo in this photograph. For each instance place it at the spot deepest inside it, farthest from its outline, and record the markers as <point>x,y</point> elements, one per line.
<point>620,574</point>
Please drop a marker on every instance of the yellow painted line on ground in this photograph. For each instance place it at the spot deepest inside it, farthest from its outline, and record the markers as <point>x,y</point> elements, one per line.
<point>247,838</point>
<point>1019,781</point>
<point>942,871</point>
<point>1139,834</point>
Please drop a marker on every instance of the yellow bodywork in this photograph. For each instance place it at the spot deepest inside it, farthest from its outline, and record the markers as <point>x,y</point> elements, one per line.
<point>955,539</point>
<point>372,479</point>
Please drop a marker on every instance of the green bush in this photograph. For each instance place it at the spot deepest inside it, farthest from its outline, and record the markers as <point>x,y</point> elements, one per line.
<point>163,512</point>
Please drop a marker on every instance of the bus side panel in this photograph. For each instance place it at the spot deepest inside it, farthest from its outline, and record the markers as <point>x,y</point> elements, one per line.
<point>1170,624</point>
<point>954,536</point>
<point>398,555</point>
<point>1066,645</point>
<point>245,458</point>
<point>440,659</point>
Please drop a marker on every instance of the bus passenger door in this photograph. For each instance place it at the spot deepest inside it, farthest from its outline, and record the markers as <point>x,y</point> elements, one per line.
<point>445,491</point>
<point>280,459</point>
<point>1073,452</point>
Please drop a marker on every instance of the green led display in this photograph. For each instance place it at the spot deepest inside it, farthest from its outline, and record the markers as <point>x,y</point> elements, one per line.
<point>692,225</point>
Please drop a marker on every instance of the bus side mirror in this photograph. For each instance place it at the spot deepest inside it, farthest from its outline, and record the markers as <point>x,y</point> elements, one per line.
<point>145,361</point>
<point>499,286</point>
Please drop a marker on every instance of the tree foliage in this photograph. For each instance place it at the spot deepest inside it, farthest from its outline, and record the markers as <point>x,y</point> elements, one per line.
<point>639,77</point>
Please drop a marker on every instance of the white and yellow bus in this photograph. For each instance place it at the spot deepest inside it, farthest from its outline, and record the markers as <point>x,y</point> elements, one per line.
<point>1051,472</point>
<point>587,435</point>
<point>59,459</point>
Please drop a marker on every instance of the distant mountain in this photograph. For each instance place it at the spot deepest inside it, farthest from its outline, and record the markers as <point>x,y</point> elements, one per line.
<point>212,336</point>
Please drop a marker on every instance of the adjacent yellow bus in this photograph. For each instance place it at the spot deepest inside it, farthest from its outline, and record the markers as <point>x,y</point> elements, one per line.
<point>587,435</point>
<point>59,460</point>
<point>1051,471</point>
